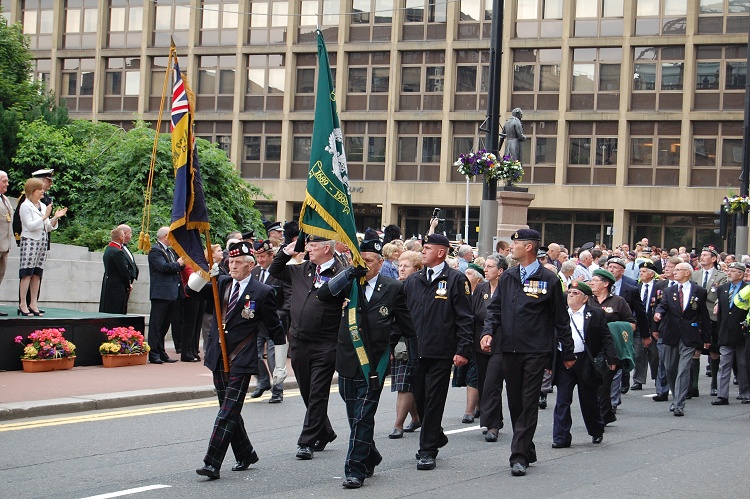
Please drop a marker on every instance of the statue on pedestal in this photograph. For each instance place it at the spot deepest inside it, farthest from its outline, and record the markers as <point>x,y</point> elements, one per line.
<point>514,134</point>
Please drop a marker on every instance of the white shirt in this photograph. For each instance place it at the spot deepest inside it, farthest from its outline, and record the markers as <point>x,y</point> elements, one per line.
<point>685,293</point>
<point>650,285</point>
<point>370,287</point>
<point>576,320</point>
<point>436,270</point>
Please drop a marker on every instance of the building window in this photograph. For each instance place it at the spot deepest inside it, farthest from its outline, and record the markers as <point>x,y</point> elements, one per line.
<point>42,69</point>
<point>592,153</point>
<point>368,82</point>
<point>660,17</point>
<point>216,132</point>
<point>539,18</point>
<point>5,14</point>
<point>539,152</point>
<point>536,79</point>
<point>475,19</point>
<point>599,18</point>
<point>77,84</point>
<point>125,23</point>
<point>720,77</point>
<point>261,153</point>
<point>323,13</point>
<point>658,75</point>
<point>422,80</point>
<point>418,151</point>
<point>571,229</point>
<point>717,154</point>
<point>264,89</point>
<point>268,21</point>
<point>301,145</point>
<point>172,20</point>
<point>654,153</point>
<point>38,23</point>
<point>365,149</point>
<point>219,21</point>
<point>122,84</point>
<point>467,138</point>
<point>425,19</point>
<point>216,82</point>
<point>596,79</point>
<point>472,79</point>
<point>371,20</point>
<point>307,79</point>
<point>80,24</point>
<point>722,16</point>
<point>157,74</point>
<point>673,231</point>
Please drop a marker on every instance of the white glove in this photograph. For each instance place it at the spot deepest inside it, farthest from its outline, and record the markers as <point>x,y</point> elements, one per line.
<point>196,282</point>
<point>279,373</point>
<point>214,272</point>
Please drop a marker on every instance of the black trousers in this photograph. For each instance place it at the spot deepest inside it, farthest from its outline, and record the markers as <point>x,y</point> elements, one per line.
<point>229,428</point>
<point>361,406</point>
<point>523,382</point>
<point>313,363</point>
<point>491,378</point>
<point>163,314</point>
<point>192,315</point>
<point>566,380</point>
<point>430,384</point>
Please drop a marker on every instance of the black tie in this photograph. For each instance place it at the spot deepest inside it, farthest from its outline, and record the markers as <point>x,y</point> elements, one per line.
<point>705,278</point>
<point>645,298</point>
<point>680,296</point>
<point>262,275</point>
<point>523,274</point>
<point>234,298</point>
<point>429,275</point>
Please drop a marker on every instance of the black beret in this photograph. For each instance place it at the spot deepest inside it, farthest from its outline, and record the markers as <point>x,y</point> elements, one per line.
<point>587,246</point>
<point>711,249</point>
<point>438,239</point>
<point>273,226</point>
<point>262,246</point>
<point>371,246</point>
<point>248,235</point>
<point>526,235</point>
<point>647,264</point>
<point>313,238</point>
<point>240,248</point>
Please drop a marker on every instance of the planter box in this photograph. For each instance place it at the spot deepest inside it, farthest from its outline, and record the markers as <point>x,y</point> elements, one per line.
<point>45,365</point>
<point>122,360</point>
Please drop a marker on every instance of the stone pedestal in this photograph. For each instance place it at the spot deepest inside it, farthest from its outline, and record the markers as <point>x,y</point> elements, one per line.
<point>512,211</point>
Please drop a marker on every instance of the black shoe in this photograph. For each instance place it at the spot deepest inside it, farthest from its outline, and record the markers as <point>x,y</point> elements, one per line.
<point>671,408</point>
<point>543,401</point>
<point>212,472</point>
<point>305,453</point>
<point>276,399</point>
<point>3,314</point>
<point>491,435</point>
<point>476,413</point>
<point>708,371</point>
<point>352,483</point>
<point>188,359</point>
<point>518,469</point>
<point>169,361</point>
<point>734,379</point>
<point>679,412</point>
<point>320,445</point>
<point>636,386</point>
<point>720,401</point>
<point>396,433</point>
<point>258,392</point>
<point>660,398</point>
<point>370,470</point>
<point>694,393</point>
<point>244,464</point>
<point>443,439</point>
<point>561,445</point>
<point>177,350</point>
<point>714,392</point>
<point>157,361</point>
<point>624,389</point>
<point>468,418</point>
<point>412,427</point>
<point>745,401</point>
<point>426,462</point>
<point>597,440</point>
<point>611,418</point>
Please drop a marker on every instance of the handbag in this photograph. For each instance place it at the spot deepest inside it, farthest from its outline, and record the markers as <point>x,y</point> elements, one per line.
<point>400,352</point>
<point>597,367</point>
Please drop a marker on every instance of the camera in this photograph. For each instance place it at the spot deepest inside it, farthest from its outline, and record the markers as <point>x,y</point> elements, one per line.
<point>436,214</point>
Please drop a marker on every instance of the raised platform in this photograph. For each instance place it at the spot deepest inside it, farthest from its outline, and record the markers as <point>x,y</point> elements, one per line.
<point>82,328</point>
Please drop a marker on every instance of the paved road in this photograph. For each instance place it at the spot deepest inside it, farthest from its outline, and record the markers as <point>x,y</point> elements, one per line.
<point>647,453</point>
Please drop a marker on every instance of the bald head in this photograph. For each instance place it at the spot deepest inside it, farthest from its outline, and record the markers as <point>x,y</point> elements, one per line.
<point>682,272</point>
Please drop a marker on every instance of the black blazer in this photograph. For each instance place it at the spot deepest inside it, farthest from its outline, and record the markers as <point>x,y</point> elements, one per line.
<point>376,320</point>
<point>691,325</point>
<point>260,299</point>
<point>596,334</point>
<point>479,301</point>
<point>655,290</point>
<point>164,274</point>
<point>283,293</point>
<point>116,281</point>
<point>633,298</point>
<point>729,318</point>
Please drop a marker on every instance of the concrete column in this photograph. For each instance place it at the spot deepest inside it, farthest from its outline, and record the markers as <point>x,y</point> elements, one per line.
<point>512,212</point>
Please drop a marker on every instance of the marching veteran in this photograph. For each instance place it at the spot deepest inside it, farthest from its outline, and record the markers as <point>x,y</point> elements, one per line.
<point>382,318</point>
<point>245,305</point>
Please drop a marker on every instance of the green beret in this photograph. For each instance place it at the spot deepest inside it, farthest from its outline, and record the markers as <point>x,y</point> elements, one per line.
<point>582,287</point>
<point>477,268</point>
<point>605,274</point>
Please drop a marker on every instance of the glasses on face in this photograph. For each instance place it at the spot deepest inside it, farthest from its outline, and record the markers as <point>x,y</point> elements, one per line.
<point>574,293</point>
<point>595,279</point>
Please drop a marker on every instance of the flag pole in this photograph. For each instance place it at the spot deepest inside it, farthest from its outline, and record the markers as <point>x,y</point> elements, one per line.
<point>217,306</point>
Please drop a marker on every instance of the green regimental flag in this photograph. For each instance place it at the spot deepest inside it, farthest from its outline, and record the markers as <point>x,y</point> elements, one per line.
<point>327,209</point>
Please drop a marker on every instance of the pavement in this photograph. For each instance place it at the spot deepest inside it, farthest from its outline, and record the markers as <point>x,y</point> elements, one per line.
<point>25,395</point>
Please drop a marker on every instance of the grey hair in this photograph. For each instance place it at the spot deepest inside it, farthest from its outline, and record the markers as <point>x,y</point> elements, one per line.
<point>568,266</point>
<point>162,232</point>
<point>500,260</point>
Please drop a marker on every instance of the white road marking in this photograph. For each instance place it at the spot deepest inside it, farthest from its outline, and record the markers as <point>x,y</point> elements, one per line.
<point>462,430</point>
<point>128,492</point>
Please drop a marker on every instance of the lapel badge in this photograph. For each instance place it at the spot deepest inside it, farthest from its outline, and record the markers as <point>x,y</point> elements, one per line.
<point>466,287</point>
<point>383,311</point>
<point>543,287</point>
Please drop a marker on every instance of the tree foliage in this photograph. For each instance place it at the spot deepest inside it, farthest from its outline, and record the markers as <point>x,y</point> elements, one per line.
<point>101,175</point>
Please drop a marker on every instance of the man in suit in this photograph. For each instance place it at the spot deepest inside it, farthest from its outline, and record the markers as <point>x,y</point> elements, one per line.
<point>590,333</point>
<point>439,300</point>
<point>686,328</point>
<point>246,304</point>
<point>627,288</point>
<point>525,319</point>
<point>649,292</point>
<point>313,332</point>
<point>127,233</point>
<point>662,261</point>
<point>164,269</point>
<point>6,226</point>
<point>264,253</point>
<point>382,317</point>
<point>709,277</point>
<point>662,384</point>
<point>116,281</point>
<point>731,340</point>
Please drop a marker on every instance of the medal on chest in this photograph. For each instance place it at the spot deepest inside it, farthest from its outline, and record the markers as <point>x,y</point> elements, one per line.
<point>248,311</point>
<point>442,288</point>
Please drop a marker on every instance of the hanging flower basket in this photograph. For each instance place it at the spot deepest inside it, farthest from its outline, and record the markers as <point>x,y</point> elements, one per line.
<point>507,169</point>
<point>736,204</point>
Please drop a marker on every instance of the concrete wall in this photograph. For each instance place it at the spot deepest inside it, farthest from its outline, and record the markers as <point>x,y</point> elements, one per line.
<point>73,279</point>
